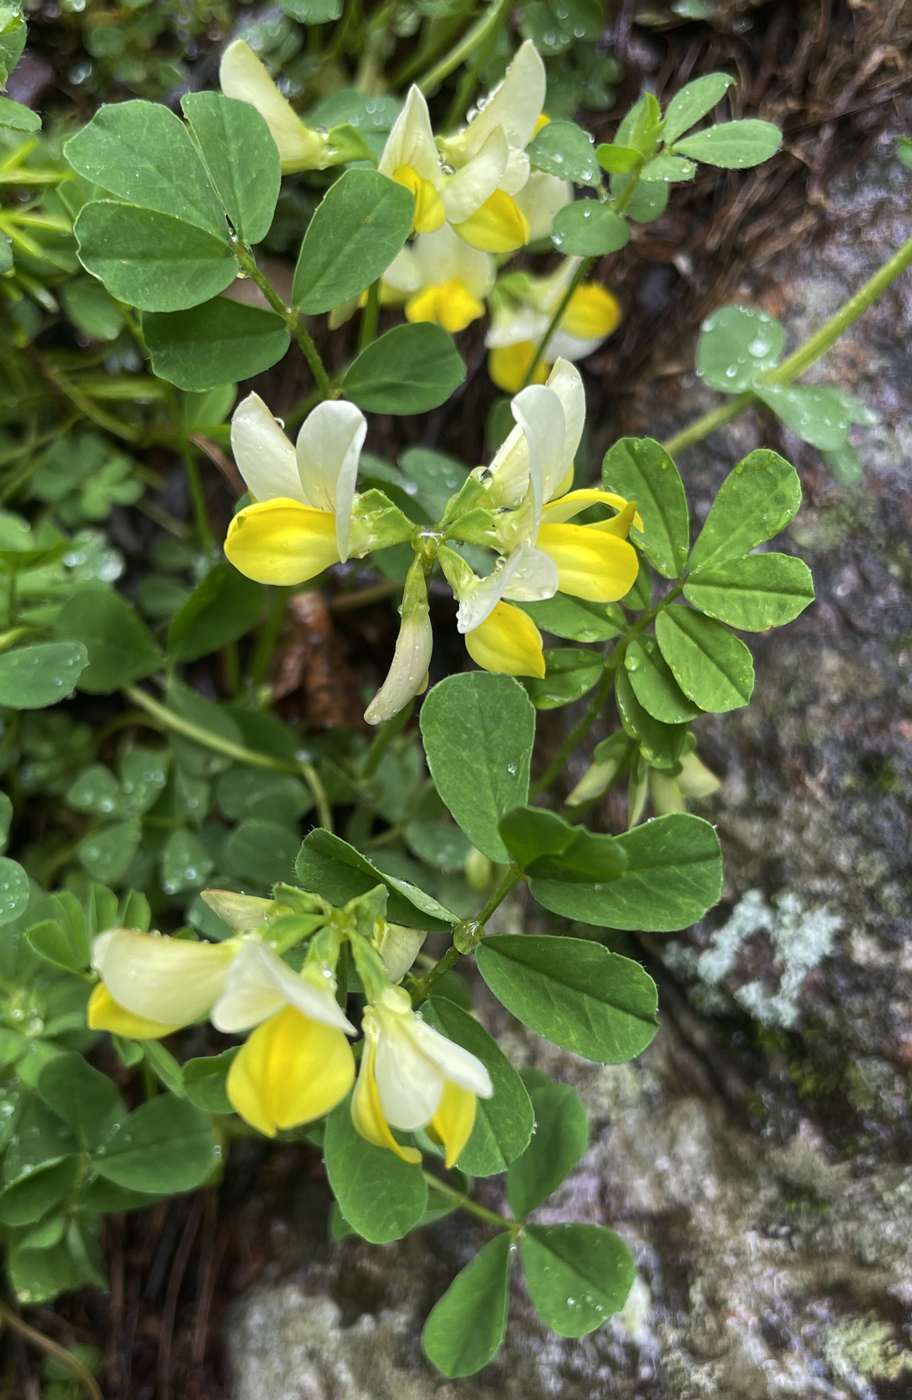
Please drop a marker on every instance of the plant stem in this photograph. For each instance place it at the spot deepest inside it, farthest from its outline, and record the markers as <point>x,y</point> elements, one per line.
<point>370,316</point>
<point>52,1348</point>
<point>289,315</point>
<point>198,497</point>
<point>801,359</point>
<point>459,52</point>
<point>556,319</point>
<point>603,690</point>
<point>426,984</point>
<point>466,90</point>
<point>169,720</point>
<point>466,1203</point>
<point>383,738</point>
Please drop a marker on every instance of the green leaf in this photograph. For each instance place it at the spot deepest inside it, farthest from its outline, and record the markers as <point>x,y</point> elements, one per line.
<point>844,465</point>
<point>59,945</point>
<point>15,117</point>
<point>667,169</point>
<point>152,261</point>
<point>565,150</point>
<point>569,673</point>
<point>673,875</point>
<point>91,309</point>
<point>165,1146</point>
<point>572,991</point>
<point>478,731</point>
<point>205,1079</point>
<point>359,226</point>
<point>693,102</point>
<point>251,792</point>
<point>754,593</point>
<point>241,158</point>
<point>86,1099</point>
<point>755,502</point>
<point>618,160</point>
<point>142,153</point>
<point>815,412</point>
<point>575,619</point>
<point>640,470</point>
<point>14,890</point>
<point>119,644</point>
<point>577,1275</point>
<point>34,1193</point>
<point>588,229</point>
<point>590,857</point>
<point>6,817</point>
<point>712,666</point>
<point>329,866</point>
<point>733,145</point>
<point>442,844</point>
<point>531,832</point>
<point>261,851</point>
<point>164,1066</point>
<point>660,744</point>
<point>503,1124</point>
<point>220,610</point>
<point>654,685</point>
<point>143,774</point>
<point>466,1327</point>
<point>380,1196</point>
<point>12,39</point>
<point>96,790</point>
<point>410,369</point>
<point>736,344</point>
<point>107,854</point>
<point>194,759</point>
<point>312,11</point>
<point>217,343</point>
<point>33,677</point>
<point>186,864</point>
<point>561,1137</point>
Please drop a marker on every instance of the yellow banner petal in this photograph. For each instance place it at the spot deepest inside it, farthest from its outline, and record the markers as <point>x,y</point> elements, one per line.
<point>282,542</point>
<point>104,1014</point>
<point>499,226</point>
<point>507,641</point>
<point>564,508</point>
<point>590,564</point>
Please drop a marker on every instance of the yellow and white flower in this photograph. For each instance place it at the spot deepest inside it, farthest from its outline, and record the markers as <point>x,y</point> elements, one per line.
<point>412,1077</point>
<point>470,181</point>
<point>523,314</point>
<point>304,495</point>
<point>440,278</point>
<point>296,1065</point>
<point>243,77</point>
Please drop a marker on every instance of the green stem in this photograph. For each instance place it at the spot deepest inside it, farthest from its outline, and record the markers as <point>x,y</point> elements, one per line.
<point>603,690</point>
<point>466,90</point>
<point>51,1348</point>
<point>556,319</point>
<point>370,316</point>
<point>383,738</point>
<point>801,359</point>
<point>460,52</point>
<point>289,315</point>
<point>197,497</point>
<point>426,984</point>
<point>466,1203</point>
<point>252,757</point>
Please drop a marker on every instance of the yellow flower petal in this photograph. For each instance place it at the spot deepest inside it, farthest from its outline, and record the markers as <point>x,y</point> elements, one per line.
<point>508,641</point>
<point>367,1115</point>
<point>499,226</point>
<point>592,314</point>
<point>565,507</point>
<point>507,366</point>
<point>282,542</point>
<point>450,304</point>
<point>454,1120</point>
<point>430,214</point>
<point>291,1070</point>
<point>617,525</point>
<point>104,1014</point>
<point>590,564</point>
<point>542,121</point>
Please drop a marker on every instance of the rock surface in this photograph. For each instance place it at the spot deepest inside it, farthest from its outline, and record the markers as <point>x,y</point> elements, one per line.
<point>756,1156</point>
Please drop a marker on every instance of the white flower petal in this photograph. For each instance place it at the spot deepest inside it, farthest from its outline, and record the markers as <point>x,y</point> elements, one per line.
<point>242,76</point>
<point>466,191</point>
<point>411,142</point>
<point>480,599</point>
<point>523,323</point>
<point>260,983</point>
<point>329,446</point>
<point>540,198</point>
<point>562,346</point>
<point>539,412</point>
<point>534,578</point>
<point>516,104</point>
<point>399,946</point>
<point>409,1083</point>
<point>458,1065</point>
<point>409,668</point>
<point>264,456</point>
<point>405,273</point>
<point>172,980</point>
<point>241,912</point>
<point>567,383</point>
<point>443,256</point>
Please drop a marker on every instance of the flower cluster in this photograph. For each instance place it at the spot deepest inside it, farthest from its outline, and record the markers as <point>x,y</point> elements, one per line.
<point>306,515</point>
<point>297,1063</point>
<point>476,196</point>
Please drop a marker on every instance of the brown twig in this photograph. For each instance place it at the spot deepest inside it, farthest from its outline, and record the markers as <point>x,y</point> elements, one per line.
<point>51,1348</point>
